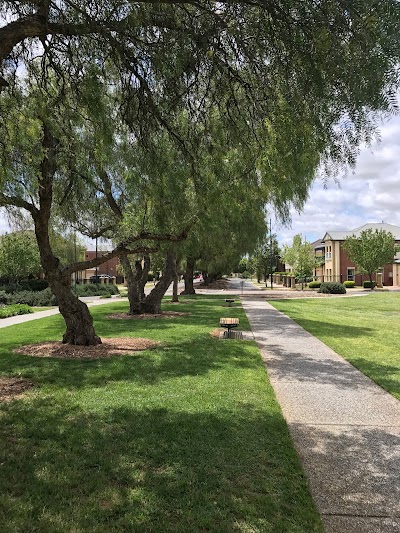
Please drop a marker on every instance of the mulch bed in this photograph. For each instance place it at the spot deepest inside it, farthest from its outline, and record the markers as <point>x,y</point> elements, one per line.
<point>220,284</point>
<point>108,348</point>
<point>163,314</point>
<point>11,388</point>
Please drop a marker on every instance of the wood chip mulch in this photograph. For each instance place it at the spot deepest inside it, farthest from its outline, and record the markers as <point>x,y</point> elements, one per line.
<point>164,314</point>
<point>11,388</point>
<point>216,332</point>
<point>220,284</point>
<point>108,348</point>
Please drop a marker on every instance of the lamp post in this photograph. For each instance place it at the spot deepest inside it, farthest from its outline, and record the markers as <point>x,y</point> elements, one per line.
<point>270,253</point>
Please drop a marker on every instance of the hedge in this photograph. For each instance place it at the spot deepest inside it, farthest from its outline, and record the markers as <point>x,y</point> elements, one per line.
<point>15,309</point>
<point>369,284</point>
<point>349,284</point>
<point>314,285</point>
<point>332,288</point>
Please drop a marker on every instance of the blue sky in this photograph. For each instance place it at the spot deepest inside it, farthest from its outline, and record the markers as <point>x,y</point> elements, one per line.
<point>371,193</point>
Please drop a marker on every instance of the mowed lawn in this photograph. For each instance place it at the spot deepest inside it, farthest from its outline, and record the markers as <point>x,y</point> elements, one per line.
<point>184,437</point>
<point>364,330</point>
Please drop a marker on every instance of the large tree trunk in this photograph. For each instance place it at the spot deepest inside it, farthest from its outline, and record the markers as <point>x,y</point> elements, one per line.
<point>188,276</point>
<point>132,283</point>
<point>152,302</point>
<point>175,297</point>
<point>144,275</point>
<point>76,314</point>
<point>206,279</point>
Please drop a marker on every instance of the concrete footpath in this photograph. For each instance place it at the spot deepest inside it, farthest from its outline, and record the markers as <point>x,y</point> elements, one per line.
<point>346,429</point>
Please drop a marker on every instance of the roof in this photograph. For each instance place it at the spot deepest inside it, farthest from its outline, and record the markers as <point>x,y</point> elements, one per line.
<point>341,235</point>
<point>318,244</point>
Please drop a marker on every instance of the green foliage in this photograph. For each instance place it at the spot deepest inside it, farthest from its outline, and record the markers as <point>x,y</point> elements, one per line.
<point>19,255</point>
<point>371,250</point>
<point>43,298</point>
<point>300,256</point>
<point>314,284</point>
<point>245,275</point>
<point>95,289</point>
<point>349,284</point>
<point>26,285</point>
<point>331,287</point>
<point>15,309</point>
<point>369,284</point>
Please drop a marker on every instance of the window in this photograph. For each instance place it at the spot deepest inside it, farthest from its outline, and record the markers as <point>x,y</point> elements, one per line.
<point>351,274</point>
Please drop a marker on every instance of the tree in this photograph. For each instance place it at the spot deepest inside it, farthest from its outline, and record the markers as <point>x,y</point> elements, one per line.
<point>300,256</point>
<point>371,250</point>
<point>266,258</point>
<point>19,256</point>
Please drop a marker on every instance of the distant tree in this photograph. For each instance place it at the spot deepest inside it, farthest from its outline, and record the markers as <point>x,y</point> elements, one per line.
<point>266,258</point>
<point>371,250</point>
<point>19,255</point>
<point>300,256</point>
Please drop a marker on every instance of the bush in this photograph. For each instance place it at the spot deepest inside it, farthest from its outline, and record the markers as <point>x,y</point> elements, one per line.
<point>28,285</point>
<point>349,284</point>
<point>369,284</point>
<point>33,298</point>
<point>332,288</point>
<point>96,289</point>
<point>4,298</point>
<point>15,309</point>
<point>314,284</point>
<point>245,275</point>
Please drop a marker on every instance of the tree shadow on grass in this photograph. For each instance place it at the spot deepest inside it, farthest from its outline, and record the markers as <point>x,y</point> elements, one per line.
<point>149,470</point>
<point>387,376</point>
<point>196,357</point>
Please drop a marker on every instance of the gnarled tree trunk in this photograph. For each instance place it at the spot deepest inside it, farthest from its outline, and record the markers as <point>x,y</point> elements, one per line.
<point>76,314</point>
<point>152,302</point>
<point>188,277</point>
<point>133,287</point>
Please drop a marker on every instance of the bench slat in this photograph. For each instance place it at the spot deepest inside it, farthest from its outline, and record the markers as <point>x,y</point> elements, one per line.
<point>229,321</point>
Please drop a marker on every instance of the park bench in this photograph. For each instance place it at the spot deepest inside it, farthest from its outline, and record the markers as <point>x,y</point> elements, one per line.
<point>229,324</point>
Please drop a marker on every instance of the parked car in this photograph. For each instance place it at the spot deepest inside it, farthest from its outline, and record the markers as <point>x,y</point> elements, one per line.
<point>96,279</point>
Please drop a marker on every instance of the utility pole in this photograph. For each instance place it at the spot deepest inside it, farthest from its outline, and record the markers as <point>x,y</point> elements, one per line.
<point>97,279</point>
<point>270,253</point>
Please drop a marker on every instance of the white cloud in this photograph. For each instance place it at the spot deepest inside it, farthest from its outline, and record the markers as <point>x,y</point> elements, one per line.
<point>371,193</point>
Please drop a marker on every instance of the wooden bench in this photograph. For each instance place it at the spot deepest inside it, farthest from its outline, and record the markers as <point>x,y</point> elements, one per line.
<point>229,323</point>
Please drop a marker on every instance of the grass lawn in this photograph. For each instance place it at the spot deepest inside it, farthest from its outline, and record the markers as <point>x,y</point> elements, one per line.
<point>364,330</point>
<point>37,309</point>
<point>185,437</point>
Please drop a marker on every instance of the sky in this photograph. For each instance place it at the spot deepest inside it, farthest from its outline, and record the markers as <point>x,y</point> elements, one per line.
<point>370,193</point>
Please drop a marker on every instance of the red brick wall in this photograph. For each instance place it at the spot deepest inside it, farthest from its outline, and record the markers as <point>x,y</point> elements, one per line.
<point>109,267</point>
<point>345,263</point>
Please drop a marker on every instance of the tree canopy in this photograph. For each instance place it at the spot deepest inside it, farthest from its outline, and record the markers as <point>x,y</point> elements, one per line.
<point>300,256</point>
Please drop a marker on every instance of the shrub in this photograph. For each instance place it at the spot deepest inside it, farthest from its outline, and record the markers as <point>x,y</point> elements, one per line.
<point>4,298</point>
<point>369,284</point>
<point>33,298</point>
<point>245,275</point>
<point>349,284</point>
<point>314,284</point>
<point>14,309</point>
<point>28,285</point>
<point>95,289</point>
<point>332,288</point>
<point>105,296</point>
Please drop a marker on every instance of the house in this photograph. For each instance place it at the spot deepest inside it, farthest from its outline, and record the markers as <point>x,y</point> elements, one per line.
<point>109,268</point>
<point>338,267</point>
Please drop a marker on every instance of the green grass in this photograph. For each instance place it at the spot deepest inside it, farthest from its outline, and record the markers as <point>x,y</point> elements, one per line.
<point>364,330</point>
<point>185,437</point>
<point>38,309</point>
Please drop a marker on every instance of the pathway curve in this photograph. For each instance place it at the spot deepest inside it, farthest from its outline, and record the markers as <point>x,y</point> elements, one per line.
<point>346,429</point>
